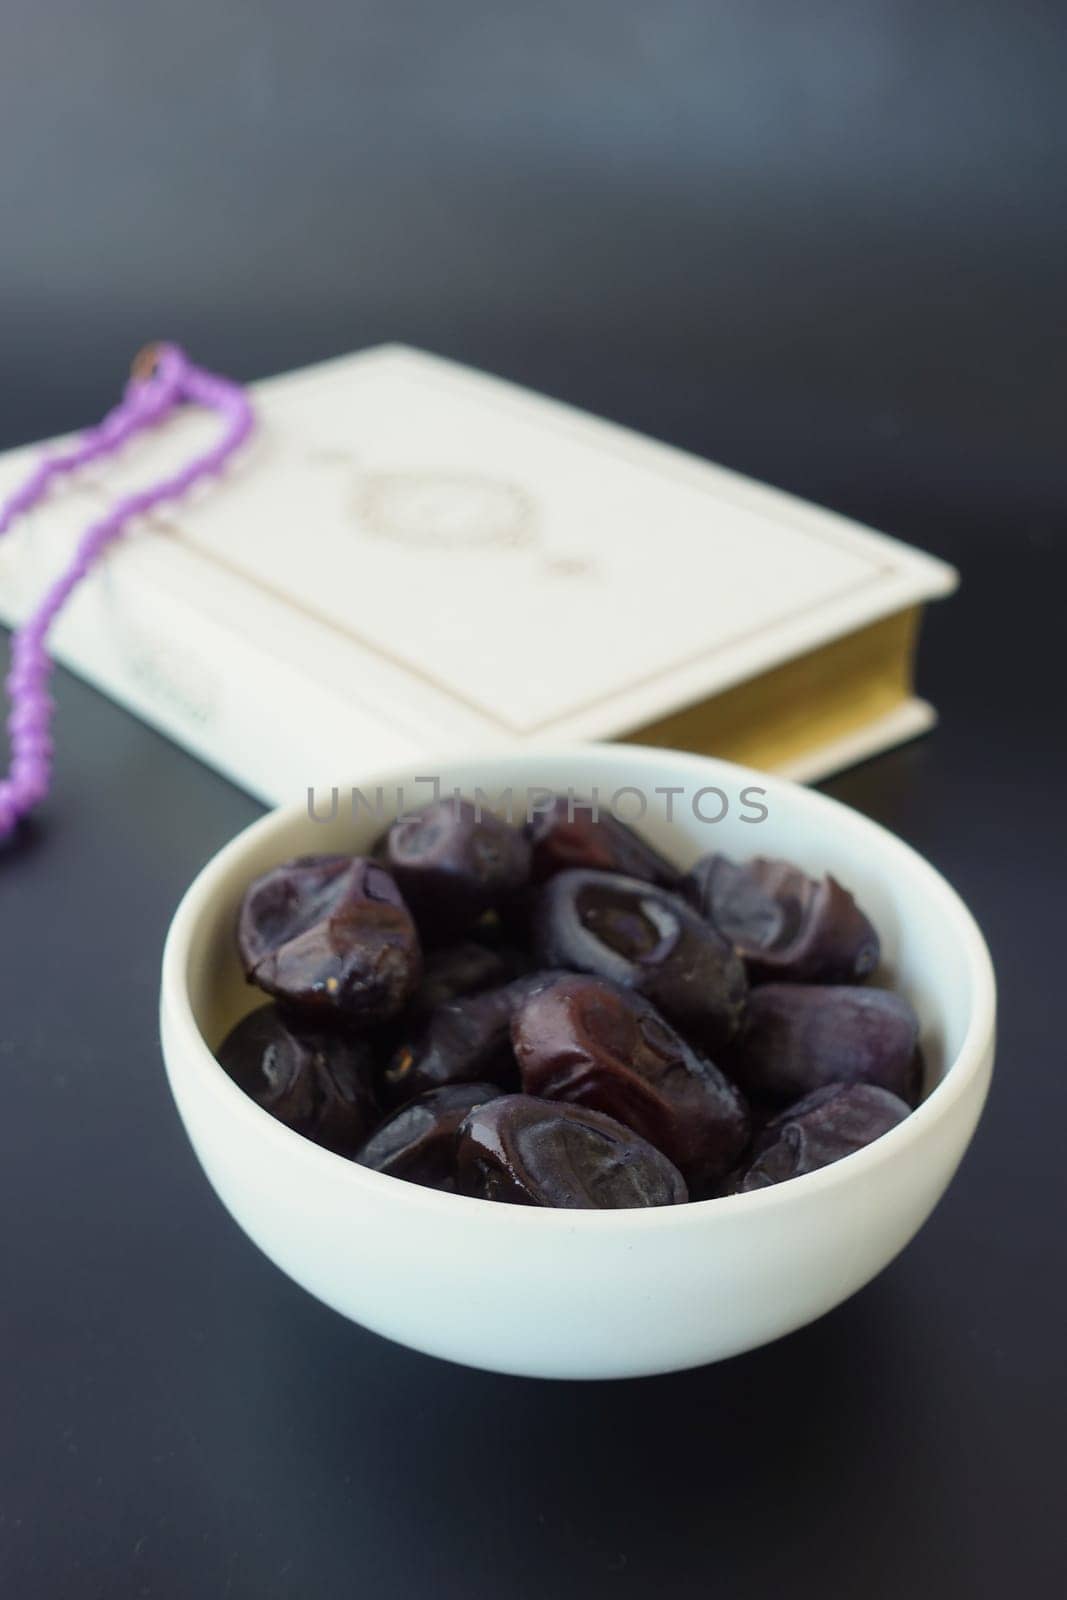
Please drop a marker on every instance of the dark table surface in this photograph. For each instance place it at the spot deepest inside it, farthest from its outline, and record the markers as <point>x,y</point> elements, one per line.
<point>180,1420</point>
<point>823,245</point>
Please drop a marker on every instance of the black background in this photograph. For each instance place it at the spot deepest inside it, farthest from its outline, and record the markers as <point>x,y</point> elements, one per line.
<point>823,243</point>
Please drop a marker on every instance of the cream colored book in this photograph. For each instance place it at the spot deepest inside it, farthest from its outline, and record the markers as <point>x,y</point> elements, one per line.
<point>412,558</point>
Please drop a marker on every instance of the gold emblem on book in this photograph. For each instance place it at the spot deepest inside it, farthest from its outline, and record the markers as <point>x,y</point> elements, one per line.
<point>447,511</point>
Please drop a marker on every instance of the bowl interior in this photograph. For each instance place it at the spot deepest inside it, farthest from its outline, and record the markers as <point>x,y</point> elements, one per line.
<point>931,949</point>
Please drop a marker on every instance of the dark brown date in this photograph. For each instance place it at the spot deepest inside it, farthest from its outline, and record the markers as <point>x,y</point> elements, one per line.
<point>784,924</point>
<point>591,1043</point>
<point>568,834</point>
<point>464,1041</point>
<point>455,970</point>
<point>454,862</point>
<point>541,1153</point>
<point>647,939</point>
<point>418,1142</point>
<point>330,934</point>
<point>821,1129</point>
<point>799,1037</point>
<point>315,1080</point>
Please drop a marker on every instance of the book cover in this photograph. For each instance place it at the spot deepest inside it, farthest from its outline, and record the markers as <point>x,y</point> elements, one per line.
<point>412,557</point>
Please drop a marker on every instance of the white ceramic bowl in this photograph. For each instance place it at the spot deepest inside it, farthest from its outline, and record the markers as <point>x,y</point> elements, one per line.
<point>589,1294</point>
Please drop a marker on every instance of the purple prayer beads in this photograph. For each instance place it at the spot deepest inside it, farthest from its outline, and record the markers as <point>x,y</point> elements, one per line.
<point>163,379</point>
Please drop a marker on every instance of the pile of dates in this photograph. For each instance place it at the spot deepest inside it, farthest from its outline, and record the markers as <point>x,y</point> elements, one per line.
<point>556,1015</point>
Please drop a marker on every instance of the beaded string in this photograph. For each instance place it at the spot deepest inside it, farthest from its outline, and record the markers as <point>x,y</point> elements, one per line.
<point>163,378</point>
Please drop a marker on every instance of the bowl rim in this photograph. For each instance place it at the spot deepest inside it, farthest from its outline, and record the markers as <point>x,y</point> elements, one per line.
<point>187,1052</point>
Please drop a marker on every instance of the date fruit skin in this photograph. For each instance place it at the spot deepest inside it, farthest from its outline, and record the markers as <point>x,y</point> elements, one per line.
<point>316,1080</point>
<point>455,970</point>
<point>330,935</point>
<point>647,939</point>
<point>464,1041</point>
<point>591,1043</point>
<point>821,1129</point>
<point>418,1142</point>
<point>454,863</point>
<point>568,835</point>
<point>785,925</point>
<point>800,1037</point>
<point>543,1153</point>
